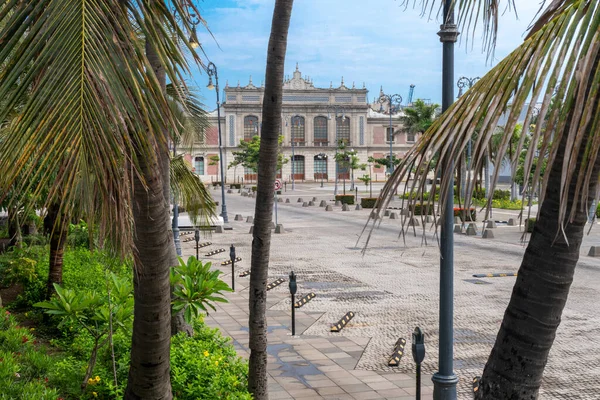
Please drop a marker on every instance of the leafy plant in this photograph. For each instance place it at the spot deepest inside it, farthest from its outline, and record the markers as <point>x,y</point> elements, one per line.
<point>196,287</point>
<point>345,198</point>
<point>368,202</point>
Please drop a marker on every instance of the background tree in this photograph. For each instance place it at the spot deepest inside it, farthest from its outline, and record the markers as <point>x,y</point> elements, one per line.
<point>560,51</point>
<point>214,160</point>
<point>418,117</point>
<point>263,213</point>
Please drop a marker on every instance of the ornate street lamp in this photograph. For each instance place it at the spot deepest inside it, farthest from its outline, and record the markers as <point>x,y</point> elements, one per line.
<point>445,380</point>
<point>211,70</point>
<point>322,156</point>
<point>339,112</point>
<point>394,101</point>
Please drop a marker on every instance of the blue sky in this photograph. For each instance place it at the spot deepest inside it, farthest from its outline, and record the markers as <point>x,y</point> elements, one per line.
<point>380,45</point>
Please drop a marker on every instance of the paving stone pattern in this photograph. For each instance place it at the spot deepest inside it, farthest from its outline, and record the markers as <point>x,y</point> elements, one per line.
<point>392,288</point>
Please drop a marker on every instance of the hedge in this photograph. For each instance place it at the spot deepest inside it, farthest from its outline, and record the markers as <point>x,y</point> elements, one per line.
<point>368,202</point>
<point>345,198</point>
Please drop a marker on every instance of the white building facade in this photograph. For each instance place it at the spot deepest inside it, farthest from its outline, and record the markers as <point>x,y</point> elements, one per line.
<point>313,121</point>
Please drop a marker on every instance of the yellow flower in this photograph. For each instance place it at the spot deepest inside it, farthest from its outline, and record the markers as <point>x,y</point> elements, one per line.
<point>206,354</point>
<point>32,329</point>
<point>91,381</point>
<point>216,363</point>
<point>95,394</point>
<point>97,378</point>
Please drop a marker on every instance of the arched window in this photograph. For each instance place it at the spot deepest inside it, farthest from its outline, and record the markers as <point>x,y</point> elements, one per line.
<point>320,168</point>
<point>297,130</point>
<point>298,167</point>
<point>250,127</point>
<point>321,138</point>
<point>199,165</point>
<point>343,130</point>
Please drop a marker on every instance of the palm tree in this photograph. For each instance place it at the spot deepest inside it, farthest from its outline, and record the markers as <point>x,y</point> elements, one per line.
<point>560,51</point>
<point>418,117</point>
<point>263,213</point>
<point>98,114</point>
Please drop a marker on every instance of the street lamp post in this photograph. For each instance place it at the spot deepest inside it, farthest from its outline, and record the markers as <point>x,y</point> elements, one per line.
<point>211,70</point>
<point>322,156</point>
<point>445,380</point>
<point>338,112</point>
<point>394,101</point>
<point>462,83</point>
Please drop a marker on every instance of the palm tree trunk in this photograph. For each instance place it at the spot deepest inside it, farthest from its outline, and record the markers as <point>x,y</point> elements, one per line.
<point>516,364</point>
<point>58,241</point>
<point>267,169</point>
<point>150,346</point>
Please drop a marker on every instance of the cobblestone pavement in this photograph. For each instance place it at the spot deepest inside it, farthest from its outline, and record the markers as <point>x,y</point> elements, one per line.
<point>393,288</point>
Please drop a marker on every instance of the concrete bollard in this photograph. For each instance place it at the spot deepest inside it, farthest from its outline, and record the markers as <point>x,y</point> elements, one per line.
<point>338,203</point>
<point>238,217</point>
<point>218,229</point>
<point>374,215</point>
<point>279,229</point>
<point>329,208</point>
<point>457,229</point>
<point>323,203</point>
<point>394,215</point>
<point>244,194</point>
<point>229,191</point>
<point>430,219</point>
<point>305,204</point>
<point>311,203</point>
<point>314,199</point>
<point>512,222</point>
<point>358,207</point>
<point>250,219</point>
<point>594,251</point>
<point>386,213</point>
<point>287,201</point>
<point>487,234</point>
<point>405,212</point>
<point>345,207</point>
<point>279,200</point>
<point>251,229</point>
<point>490,224</point>
<point>300,200</point>
<point>471,229</point>
<point>457,220</point>
<point>414,222</point>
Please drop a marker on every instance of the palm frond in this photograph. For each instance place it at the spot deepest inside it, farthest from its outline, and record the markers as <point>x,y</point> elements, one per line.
<point>93,102</point>
<point>189,114</point>
<point>192,193</point>
<point>556,64</point>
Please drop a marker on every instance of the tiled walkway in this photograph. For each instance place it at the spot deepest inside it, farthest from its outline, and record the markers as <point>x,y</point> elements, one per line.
<point>312,367</point>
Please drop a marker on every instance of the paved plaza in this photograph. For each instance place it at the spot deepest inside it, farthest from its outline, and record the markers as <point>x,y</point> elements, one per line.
<point>392,288</point>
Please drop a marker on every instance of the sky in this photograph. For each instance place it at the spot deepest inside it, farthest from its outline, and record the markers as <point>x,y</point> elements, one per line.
<point>384,44</point>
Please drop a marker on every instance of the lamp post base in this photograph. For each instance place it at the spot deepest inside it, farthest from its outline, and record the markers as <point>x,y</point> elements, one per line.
<point>444,386</point>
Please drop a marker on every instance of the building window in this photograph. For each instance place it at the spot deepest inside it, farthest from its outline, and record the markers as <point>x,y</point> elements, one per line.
<point>297,131</point>
<point>343,130</point>
<point>250,127</point>
<point>389,134</point>
<point>321,131</point>
<point>320,167</point>
<point>410,138</point>
<point>199,165</point>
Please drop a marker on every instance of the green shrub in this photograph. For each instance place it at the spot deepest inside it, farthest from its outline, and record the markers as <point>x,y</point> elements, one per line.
<point>345,198</point>
<point>253,188</point>
<point>598,210</point>
<point>368,202</point>
<point>24,365</point>
<point>501,194</point>
<point>216,183</point>
<point>530,223</point>
<point>422,209</point>
<point>206,366</point>
<point>235,186</point>
<point>479,193</point>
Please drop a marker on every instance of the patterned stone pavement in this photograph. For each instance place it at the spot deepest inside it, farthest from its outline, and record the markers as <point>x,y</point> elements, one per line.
<point>392,288</point>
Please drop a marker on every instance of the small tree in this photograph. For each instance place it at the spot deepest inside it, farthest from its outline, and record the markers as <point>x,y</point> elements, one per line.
<point>214,160</point>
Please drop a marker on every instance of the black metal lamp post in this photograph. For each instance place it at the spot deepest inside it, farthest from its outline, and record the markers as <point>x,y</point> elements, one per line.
<point>293,289</point>
<point>339,113</point>
<point>197,239</point>
<point>444,380</point>
<point>322,156</point>
<point>211,70</point>
<point>394,101</point>
<point>418,352</point>
<point>462,83</point>
<point>232,258</point>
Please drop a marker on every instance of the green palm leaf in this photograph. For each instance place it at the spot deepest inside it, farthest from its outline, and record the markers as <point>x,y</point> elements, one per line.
<point>88,102</point>
<point>553,64</point>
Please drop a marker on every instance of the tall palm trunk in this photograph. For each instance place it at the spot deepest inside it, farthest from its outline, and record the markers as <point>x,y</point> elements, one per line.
<point>516,364</point>
<point>57,227</point>
<point>150,346</point>
<point>267,168</point>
